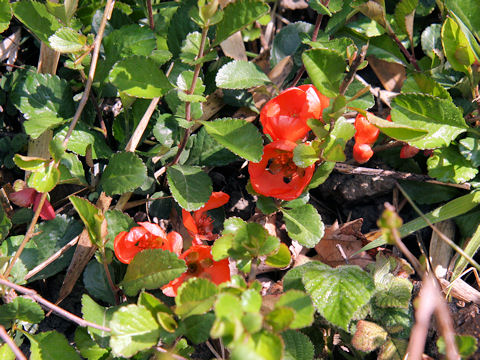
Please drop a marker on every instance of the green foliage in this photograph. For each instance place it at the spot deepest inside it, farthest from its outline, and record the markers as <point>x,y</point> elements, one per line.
<point>466,344</point>
<point>195,297</point>
<point>297,346</point>
<point>190,186</point>
<point>456,46</point>
<point>92,218</point>
<point>448,165</point>
<point>51,345</point>
<point>239,74</point>
<point>67,40</point>
<point>151,269</point>
<point>35,16</point>
<point>21,309</point>
<point>5,14</point>
<point>304,224</point>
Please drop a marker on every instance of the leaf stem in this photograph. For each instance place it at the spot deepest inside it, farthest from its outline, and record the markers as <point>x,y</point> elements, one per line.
<point>150,14</point>
<point>8,340</point>
<point>353,70</point>
<point>109,278</point>
<point>411,57</point>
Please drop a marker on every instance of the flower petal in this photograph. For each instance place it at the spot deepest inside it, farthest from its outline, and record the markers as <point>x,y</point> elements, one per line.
<point>23,198</point>
<point>47,212</point>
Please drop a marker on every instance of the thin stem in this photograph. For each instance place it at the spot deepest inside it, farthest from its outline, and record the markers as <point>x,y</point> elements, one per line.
<point>253,270</point>
<point>8,340</point>
<point>109,278</point>
<point>150,14</point>
<point>28,235</point>
<point>353,70</point>
<point>212,349</point>
<point>91,74</point>
<point>410,57</point>
<point>47,304</point>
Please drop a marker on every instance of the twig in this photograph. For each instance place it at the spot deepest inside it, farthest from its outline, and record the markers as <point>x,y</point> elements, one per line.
<point>150,15</point>
<point>358,170</point>
<point>47,304</point>
<point>51,259</point>
<point>389,145</point>
<point>410,57</point>
<point>175,356</point>
<point>353,70</point>
<point>212,349</point>
<point>91,74</point>
<point>430,301</point>
<point>8,340</point>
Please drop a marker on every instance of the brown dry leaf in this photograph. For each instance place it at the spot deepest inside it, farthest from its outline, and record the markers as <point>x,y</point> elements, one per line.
<point>348,237</point>
<point>234,47</point>
<point>83,253</point>
<point>294,4</point>
<point>391,75</point>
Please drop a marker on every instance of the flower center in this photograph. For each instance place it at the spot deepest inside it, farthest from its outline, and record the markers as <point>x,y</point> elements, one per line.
<point>149,241</point>
<point>204,224</point>
<point>283,164</point>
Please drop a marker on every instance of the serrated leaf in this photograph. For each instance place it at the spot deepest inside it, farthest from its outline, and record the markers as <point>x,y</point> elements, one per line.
<point>404,14</point>
<point>419,82</point>
<point>139,76</point>
<point>206,151</point>
<point>184,82</point>
<point>297,346</point>
<point>151,269</point>
<point>339,293</point>
<point>36,18</point>
<point>51,345</point>
<point>393,349</point>
<point>302,306</point>
<point>304,225</point>
<point>21,309</point>
<point>5,15</point>
<point>81,138</point>
<point>124,172</point>
<point>67,40</point>
<point>470,149</point>
<point>133,329</point>
<point>456,46</point>
<point>195,297</point>
<point>91,216</point>
<point>190,186</point>
<point>198,327</point>
<point>304,155</point>
<point>280,318</point>
<point>369,336</point>
<point>326,69</point>
<point>281,258</point>
<point>99,315</point>
<point>432,42</point>
<point>191,47</point>
<point>239,74</point>
<point>29,163</point>
<point>96,282</point>
<point>88,348</point>
<point>448,165</point>
<point>228,306</point>
<point>293,279</point>
<point>44,180</point>
<point>45,100</point>
<point>238,136</point>
<point>288,41</point>
<point>440,117</point>
<point>237,16</point>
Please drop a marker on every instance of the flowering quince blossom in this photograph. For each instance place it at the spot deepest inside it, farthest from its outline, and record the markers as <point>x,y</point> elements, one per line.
<point>200,225</point>
<point>145,236</point>
<point>277,175</point>
<point>285,116</point>
<point>200,263</point>
<point>407,151</point>
<point>366,134</point>
<point>28,197</point>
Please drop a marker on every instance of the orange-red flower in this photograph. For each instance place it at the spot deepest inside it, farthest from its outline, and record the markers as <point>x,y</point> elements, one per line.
<point>277,175</point>
<point>28,197</point>
<point>285,116</point>
<point>145,236</point>
<point>200,225</point>
<point>200,263</point>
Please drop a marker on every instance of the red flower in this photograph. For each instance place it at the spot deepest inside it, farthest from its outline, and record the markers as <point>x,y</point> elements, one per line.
<point>199,264</point>
<point>366,133</point>
<point>200,225</point>
<point>407,151</point>
<point>145,236</point>
<point>277,175</point>
<point>285,116</point>
<point>362,152</point>
<point>28,197</point>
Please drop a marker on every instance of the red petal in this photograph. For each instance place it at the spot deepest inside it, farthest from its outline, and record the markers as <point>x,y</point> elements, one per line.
<point>217,199</point>
<point>408,151</point>
<point>362,152</point>
<point>123,250</point>
<point>189,222</point>
<point>366,133</point>
<point>174,242</point>
<point>153,229</point>
<point>23,198</point>
<point>47,212</point>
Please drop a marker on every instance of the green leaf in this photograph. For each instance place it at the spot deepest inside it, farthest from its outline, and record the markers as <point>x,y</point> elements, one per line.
<point>288,41</point>
<point>393,349</point>
<point>206,151</point>
<point>280,318</point>
<point>326,69</point>
<point>191,47</point>
<point>384,48</point>
<point>99,315</point>
<point>440,117</point>
<point>228,306</point>
<point>366,101</point>
<point>432,42</point>
<point>304,225</point>
<point>395,130</point>
<point>190,186</point>
<point>392,291</point>
<point>267,345</point>
<point>51,345</point>
<point>293,279</point>
<point>195,297</point>
<point>419,82</point>
<point>5,225</point>
<point>369,336</point>
<point>117,222</point>
<point>184,82</point>
<point>465,12</point>
<point>81,138</point>
<point>304,155</point>
<point>338,293</point>
<point>44,180</point>
<point>448,165</point>
<point>302,306</point>
<point>281,258</point>
<point>140,77</point>
<point>133,329</point>
<point>237,16</point>
<point>456,46</point>
<point>35,16</point>
<point>6,352</point>
<point>67,40</point>
<point>453,208</point>
<point>124,172</point>
<point>29,163</point>
<point>20,309</point>
<point>470,149</point>
<point>91,216</point>
<point>239,74</point>
<point>404,13</point>
<point>88,348</point>
<point>466,345</point>
<point>5,15</point>
<point>237,135</point>
<point>251,301</point>
<point>321,174</point>
<point>71,170</point>
<point>96,282</point>
<point>374,10</point>
<point>297,346</point>
<point>45,100</point>
<point>197,327</point>
<point>151,269</point>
